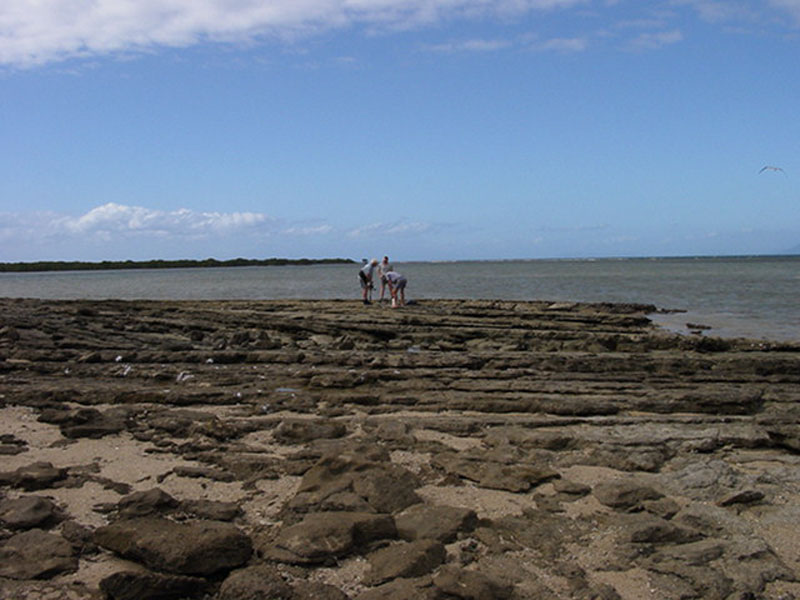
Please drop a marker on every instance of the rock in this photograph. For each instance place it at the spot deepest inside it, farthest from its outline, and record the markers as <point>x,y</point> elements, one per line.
<point>178,423</point>
<point>785,435</point>
<point>27,512</point>
<point>140,504</point>
<point>188,548</point>
<point>741,497</point>
<point>9,333</point>
<point>697,553</point>
<point>37,476</point>
<point>404,559</point>
<point>470,585</point>
<point>313,590</point>
<point>390,413</point>
<point>665,508</point>
<point>36,554</point>
<point>79,536</point>
<point>385,487</point>
<point>302,431</point>
<point>420,588</point>
<point>494,474</point>
<point>441,523</point>
<point>625,494</point>
<point>207,472</point>
<point>90,423</point>
<point>11,445</point>
<point>630,458</point>
<point>705,479</point>
<point>395,431</point>
<point>137,585</point>
<point>514,478</point>
<point>259,582</point>
<point>212,510</point>
<point>711,520</point>
<point>323,536</point>
<point>646,528</point>
<point>564,486</point>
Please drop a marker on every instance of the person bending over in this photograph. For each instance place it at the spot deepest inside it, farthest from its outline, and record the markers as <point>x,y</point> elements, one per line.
<point>397,287</point>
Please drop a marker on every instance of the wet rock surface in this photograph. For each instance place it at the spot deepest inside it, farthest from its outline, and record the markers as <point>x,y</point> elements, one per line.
<point>452,449</point>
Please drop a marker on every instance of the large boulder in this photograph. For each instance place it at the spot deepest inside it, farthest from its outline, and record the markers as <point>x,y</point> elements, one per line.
<point>315,590</point>
<point>28,512</point>
<point>322,536</point>
<point>383,487</point>
<point>85,422</point>
<point>646,528</point>
<point>498,471</point>
<point>419,588</point>
<point>441,523</point>
<point>36,554</point>
<point>189,548</point>
<point>35,476</point>
<point>297,431</point>
<point>471,585</point>
<point>140,504</point>
<point>404,559</point>
<point>625,494</point>
<point>135,585</point>
<point>255,583</point>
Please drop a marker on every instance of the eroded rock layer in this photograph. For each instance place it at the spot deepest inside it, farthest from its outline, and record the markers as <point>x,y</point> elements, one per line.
<point>450,449</point>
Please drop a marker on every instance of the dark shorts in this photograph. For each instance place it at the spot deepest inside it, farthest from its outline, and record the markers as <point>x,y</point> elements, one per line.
<point>365,283</point>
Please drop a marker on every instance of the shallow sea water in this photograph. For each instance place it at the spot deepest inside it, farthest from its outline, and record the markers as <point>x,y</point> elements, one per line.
<point>753,297</point>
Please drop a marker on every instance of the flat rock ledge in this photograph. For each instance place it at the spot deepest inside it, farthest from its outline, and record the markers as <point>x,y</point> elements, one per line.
<point>328,450</point>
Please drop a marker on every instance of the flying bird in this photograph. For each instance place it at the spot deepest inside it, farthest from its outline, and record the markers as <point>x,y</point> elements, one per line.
<point>770,168</point>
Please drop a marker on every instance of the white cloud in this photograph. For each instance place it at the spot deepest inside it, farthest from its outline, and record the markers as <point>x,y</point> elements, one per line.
<point>309,230</point>
<point>577,44</point>
<point>112,221</point>
<point>108,219</point>
<point>650,41</point>
<point>469,46</point>
<point>397,228</point>
<point>34,32</point>
<point>790,6</point>
<point>715,11</point>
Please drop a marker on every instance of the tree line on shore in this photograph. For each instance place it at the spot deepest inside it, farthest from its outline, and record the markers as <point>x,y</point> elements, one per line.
<point>24,267</point>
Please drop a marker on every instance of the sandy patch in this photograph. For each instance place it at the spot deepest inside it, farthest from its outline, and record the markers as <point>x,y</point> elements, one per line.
<point>263,507</point>
<point>488,504</point>
<point>21,422</point>
<point>452,441</point>
<point>413,461</point>
<point>346,576</point>
<point>632,585</point>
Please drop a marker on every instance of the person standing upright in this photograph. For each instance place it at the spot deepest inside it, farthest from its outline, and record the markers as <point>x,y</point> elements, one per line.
<point>383,268</point>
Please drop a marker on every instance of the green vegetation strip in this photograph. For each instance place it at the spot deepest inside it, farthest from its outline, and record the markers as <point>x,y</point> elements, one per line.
<point>163,264</point>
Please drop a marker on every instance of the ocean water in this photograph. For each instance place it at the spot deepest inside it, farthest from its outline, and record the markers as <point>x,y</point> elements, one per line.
<point>754,297</point>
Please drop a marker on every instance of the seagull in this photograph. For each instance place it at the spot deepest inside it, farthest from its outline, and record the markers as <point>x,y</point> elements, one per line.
<point>770,168</point>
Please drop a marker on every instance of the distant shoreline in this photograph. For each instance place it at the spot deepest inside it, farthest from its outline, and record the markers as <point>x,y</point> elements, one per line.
<point>115,265</point>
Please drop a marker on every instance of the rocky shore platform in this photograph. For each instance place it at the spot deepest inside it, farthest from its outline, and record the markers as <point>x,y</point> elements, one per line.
<point>475,450</point>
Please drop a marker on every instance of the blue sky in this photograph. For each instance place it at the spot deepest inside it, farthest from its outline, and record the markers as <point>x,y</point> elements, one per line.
<point>421,129</point>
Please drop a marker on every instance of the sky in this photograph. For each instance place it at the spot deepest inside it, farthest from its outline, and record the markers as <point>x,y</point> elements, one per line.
<point>418,129</point>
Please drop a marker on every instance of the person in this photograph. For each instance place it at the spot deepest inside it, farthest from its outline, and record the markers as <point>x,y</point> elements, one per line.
<point>383,268</point>
<point>397,287</point>
<point>365,277</point>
